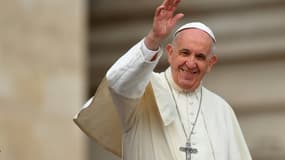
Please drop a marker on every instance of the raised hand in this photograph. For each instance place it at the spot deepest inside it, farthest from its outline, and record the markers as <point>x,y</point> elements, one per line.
<point>163,23</point>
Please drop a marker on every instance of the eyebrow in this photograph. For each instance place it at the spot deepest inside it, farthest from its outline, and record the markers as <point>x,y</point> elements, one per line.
<point>189,51</point>
<point>184,49</point>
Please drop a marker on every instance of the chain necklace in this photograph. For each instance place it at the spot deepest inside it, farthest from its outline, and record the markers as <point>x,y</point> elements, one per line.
<point>187,149</point>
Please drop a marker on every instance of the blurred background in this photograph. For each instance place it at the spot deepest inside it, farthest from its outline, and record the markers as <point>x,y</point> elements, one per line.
<point>53,54</point>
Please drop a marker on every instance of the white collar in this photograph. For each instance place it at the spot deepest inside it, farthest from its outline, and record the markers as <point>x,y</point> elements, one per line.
<point>164,99</point>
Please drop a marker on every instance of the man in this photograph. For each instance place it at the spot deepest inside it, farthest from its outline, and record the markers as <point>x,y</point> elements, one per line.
<point>168,115</point>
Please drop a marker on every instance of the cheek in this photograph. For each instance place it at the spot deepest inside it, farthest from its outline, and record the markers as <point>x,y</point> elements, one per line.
<point>203,67</point>
<point>208,68</point>
<point>179,61</point>
<point>173,61</point>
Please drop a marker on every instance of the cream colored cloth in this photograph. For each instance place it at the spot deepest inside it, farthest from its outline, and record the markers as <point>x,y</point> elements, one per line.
<point>150,128</point>
<point>99,120</point>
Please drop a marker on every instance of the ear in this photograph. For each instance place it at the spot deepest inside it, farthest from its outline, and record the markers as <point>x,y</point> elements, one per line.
<point>212,62</point>
<point>169,50</point>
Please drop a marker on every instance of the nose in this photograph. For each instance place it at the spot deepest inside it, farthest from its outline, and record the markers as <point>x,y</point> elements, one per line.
<point>190,62</point>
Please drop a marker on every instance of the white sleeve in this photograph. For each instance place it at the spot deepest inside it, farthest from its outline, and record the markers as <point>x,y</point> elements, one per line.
<point>147,53</point>
<point>130,74</point>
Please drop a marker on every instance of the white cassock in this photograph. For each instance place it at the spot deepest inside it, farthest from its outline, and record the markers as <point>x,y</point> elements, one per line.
<point>153,111</point>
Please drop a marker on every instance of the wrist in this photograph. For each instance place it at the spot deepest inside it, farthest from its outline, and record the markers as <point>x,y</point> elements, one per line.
<point>152,42</point>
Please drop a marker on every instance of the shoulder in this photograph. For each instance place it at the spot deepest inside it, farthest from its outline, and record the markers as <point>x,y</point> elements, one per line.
<point>158,79</point>
<point>217,109</point>
<point>215,101</point>
<point>210,94</point>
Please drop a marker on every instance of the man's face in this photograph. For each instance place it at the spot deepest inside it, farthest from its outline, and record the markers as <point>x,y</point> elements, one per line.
<point>190,58</point>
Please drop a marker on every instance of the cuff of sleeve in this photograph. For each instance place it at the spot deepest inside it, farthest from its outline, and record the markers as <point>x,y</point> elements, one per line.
<point>147,53</point>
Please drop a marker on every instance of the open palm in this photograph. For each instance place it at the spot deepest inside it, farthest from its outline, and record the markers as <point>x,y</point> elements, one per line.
<point>165,19</point>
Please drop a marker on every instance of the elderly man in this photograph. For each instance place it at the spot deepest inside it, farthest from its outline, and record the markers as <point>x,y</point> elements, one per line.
<point>168,115</point>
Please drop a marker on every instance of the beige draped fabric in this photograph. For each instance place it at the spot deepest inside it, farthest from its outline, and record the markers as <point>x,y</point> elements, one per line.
<point>100,120</point>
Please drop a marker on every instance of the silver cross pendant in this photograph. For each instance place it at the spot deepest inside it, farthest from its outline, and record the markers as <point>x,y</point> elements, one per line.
<point>188,150</point>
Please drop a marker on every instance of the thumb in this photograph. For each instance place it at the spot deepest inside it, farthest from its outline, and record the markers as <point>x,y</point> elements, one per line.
<point>177,17</point>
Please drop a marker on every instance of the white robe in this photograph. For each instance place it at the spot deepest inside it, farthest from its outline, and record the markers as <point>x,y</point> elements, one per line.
<point>155,133</point>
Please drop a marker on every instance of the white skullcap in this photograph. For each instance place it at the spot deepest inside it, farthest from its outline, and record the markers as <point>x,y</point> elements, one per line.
<point>197,25</point>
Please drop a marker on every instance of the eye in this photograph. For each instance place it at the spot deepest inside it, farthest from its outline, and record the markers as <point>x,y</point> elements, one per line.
<point>201,56</point>
<point>184,53</point>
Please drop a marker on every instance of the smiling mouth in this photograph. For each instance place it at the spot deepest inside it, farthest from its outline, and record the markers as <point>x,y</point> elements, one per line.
<point>186,69</point>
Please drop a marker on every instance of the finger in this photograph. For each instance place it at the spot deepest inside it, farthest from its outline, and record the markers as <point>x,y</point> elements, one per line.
<point>158,10</point>
<point>166,2</point>
<point>174,2</point>
<point>177,2</point>
<point>169,3</point>
<point>177,17</point>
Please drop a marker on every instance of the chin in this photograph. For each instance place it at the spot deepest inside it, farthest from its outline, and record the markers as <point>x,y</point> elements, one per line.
<point>187,86</point>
